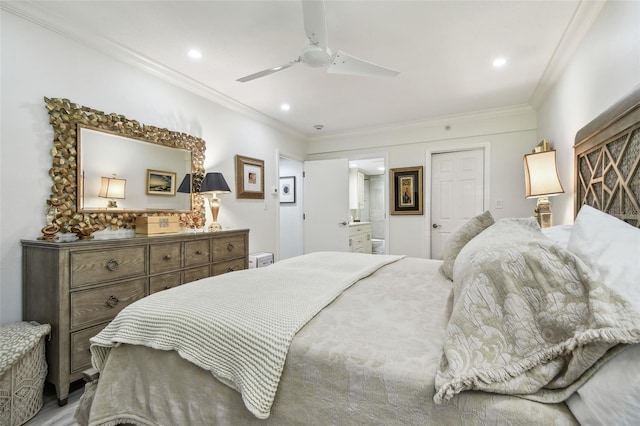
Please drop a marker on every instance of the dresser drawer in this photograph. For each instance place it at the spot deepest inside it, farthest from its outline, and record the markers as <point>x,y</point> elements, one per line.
<point>229,266</point>
<point>103,303</point>
<point>90,267</point>
<point>164,282</point>
<point>196,253</point>
<point>165,257</point>
<point>228,247</point>
<point>80,353</point>
<point>194,274</point>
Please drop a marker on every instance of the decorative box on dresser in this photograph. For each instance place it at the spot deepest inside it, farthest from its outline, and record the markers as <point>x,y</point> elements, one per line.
<point>78,287</point>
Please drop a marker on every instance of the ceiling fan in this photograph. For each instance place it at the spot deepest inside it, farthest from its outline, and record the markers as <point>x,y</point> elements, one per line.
<point>317,54</point>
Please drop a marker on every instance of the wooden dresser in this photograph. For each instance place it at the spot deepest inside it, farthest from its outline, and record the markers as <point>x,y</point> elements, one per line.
<point>78,287</point>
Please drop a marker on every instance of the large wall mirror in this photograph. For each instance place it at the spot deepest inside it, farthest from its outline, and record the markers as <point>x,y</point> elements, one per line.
<point>129,174</point>
<point>93,150</point>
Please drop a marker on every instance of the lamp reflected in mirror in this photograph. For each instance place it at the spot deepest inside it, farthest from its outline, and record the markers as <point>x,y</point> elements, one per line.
<point>542,181</point>
<point>185,185</point>
<point>112,189</point>
<point>214,184</point>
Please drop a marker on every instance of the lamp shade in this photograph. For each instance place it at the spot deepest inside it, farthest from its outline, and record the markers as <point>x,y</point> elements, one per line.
<point>541,175</point>
<point>185,185</point>
<point>112,188</point>
<point>214,182</point>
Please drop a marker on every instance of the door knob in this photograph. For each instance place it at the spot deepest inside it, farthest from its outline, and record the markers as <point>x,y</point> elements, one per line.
<point>435,225</point>
<point>343,223</point>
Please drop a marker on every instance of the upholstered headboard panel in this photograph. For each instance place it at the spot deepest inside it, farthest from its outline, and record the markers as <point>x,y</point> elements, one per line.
<point>607,161</point>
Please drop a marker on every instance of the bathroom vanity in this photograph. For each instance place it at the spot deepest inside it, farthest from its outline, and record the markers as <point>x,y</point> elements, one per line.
<point>360,234</point>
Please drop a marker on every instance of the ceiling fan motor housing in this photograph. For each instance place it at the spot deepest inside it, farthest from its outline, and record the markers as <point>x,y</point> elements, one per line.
<point>315,56</point>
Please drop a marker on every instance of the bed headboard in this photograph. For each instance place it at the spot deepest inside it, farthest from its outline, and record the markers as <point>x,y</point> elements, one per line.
<point>607,161</point>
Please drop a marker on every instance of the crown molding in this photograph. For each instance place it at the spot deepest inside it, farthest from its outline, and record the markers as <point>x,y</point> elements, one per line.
<point>39,15</point>
<point>581,21</point>
<point>434,122</point>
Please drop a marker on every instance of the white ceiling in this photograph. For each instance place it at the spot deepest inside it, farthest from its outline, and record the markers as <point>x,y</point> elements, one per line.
<point>443,50</point>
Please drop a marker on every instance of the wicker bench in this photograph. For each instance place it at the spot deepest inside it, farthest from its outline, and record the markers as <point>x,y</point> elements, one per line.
<point>23,369</point>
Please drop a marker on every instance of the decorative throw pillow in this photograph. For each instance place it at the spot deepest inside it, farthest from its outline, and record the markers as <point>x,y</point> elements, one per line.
<point>462,236</point>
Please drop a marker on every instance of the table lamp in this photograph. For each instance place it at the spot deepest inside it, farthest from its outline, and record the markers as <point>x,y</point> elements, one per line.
<point>214,184</point>
<point>112,188</point>
<point>542,181</point>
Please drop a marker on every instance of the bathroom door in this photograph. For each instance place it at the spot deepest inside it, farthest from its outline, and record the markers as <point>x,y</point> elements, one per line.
<point>326,205</point>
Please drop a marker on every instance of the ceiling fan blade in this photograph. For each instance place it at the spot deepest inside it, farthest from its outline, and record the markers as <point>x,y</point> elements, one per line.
<point>344,63</point>
<point>266,72</point>
<point>315,24</point>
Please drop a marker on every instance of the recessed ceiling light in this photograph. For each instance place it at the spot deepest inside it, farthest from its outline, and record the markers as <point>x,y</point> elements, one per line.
<point>285,107</point>
<point>499,62</point>
<point>195,54</point>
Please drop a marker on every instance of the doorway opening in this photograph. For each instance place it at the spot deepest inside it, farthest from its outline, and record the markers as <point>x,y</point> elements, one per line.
<point>367,198</point>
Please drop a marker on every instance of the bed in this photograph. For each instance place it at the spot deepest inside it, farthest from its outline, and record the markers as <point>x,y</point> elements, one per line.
<point>514,326</point>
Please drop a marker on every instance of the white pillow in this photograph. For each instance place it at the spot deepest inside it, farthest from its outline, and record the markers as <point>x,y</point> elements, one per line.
<point>611,248</point>
<point>559,234</point>
<point>610,396</point>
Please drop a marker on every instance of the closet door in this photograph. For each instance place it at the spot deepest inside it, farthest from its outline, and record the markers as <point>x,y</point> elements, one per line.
<point>457,193</point>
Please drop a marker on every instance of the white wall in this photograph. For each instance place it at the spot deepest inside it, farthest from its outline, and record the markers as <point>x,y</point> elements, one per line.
<point>604,68</point>
<point>36,63</point>
<point>508,134</point>
<point>291,224</point>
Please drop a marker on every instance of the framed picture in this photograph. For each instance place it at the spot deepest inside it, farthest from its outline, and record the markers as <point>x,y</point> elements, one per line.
<point>161,183</point>
<point>249,177</point>
<point>406,190</point>
<point>287,189</point>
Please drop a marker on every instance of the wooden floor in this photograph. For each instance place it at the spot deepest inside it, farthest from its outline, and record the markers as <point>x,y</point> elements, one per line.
<point>53,415</point>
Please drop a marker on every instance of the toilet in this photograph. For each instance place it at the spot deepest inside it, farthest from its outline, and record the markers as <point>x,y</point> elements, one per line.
<point>377,246</point>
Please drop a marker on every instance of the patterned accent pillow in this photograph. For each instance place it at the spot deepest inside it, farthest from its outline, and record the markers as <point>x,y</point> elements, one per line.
<point>462,236</point>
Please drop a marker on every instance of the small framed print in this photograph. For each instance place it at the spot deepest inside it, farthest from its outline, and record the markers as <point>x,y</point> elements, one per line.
<point>249,177</point>
<point>287,189</point>
<point>406,190</point>
<point>161,183</point>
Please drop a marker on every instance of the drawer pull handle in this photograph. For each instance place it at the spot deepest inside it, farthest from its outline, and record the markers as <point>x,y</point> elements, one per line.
<point>167,287</point>
<point>231,268</point>
<point>167,257</point>
<point>230,247</point>
<point>112,301</point>
<point>113,265</point>
<point>198,251</point>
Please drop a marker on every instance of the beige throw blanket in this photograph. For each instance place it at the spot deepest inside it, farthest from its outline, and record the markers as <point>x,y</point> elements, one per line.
<point>528,318</point>
<point>239,325</point>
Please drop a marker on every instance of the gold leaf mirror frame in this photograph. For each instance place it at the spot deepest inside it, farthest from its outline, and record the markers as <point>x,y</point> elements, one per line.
<point>64,117</point>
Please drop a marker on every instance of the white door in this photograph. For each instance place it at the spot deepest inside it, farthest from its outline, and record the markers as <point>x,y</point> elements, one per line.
<point>326,205</point>
<point>457,193</point>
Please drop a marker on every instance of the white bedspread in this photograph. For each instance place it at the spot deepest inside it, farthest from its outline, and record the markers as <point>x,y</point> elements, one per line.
<point>239,326</point>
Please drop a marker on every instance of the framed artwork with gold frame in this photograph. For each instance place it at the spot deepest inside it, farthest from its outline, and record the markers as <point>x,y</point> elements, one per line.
<point>406,190</point>
<point>161,183</point>
<point>249,177</point>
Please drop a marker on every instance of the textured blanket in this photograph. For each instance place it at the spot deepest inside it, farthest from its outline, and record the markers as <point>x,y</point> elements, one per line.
<point>528,318</point>
<point>239,326</point>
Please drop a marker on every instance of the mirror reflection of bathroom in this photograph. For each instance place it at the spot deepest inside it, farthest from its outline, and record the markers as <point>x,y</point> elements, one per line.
<point>366,199</point>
